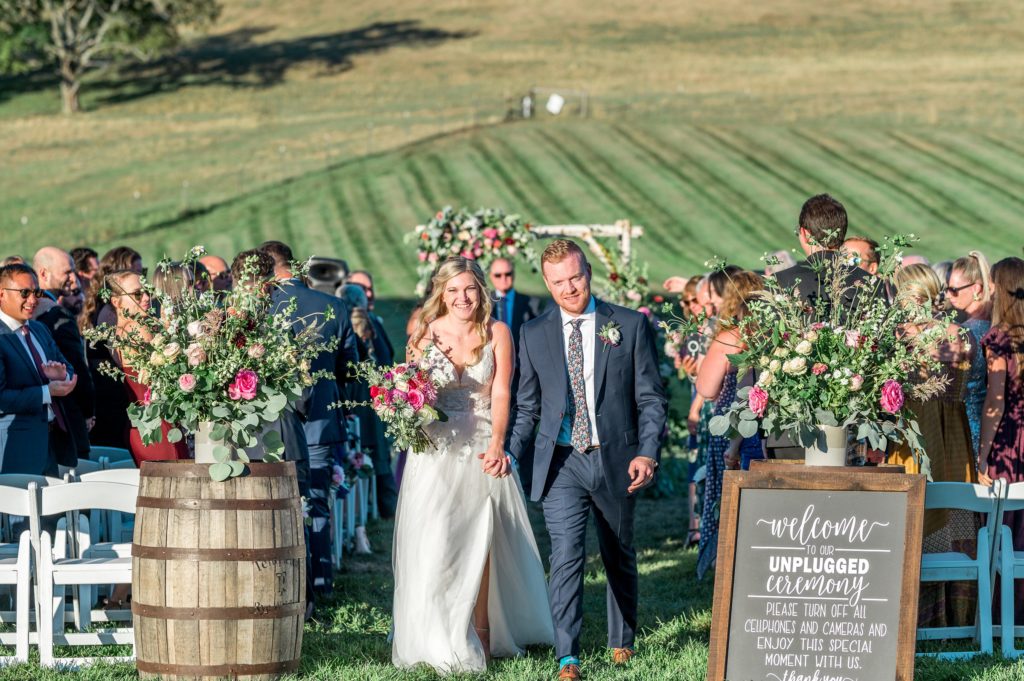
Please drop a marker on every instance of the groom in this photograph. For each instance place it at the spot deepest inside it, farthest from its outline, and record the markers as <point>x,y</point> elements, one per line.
<point>589,379</point>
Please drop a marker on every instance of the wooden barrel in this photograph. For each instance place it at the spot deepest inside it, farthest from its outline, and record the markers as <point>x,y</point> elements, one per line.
<point>218,572</point>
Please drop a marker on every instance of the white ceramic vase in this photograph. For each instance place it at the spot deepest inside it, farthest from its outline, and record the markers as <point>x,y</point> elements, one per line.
<point>829,448</point>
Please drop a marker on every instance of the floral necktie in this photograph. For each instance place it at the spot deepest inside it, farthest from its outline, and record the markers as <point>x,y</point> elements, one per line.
<point>581,436</point>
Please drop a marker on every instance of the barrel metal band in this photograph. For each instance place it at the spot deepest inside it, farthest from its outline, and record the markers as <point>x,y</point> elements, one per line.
<point>213,555</point>
<point>220,504</point>
<point>188,469</point>
<point>256,612</point>
<point>218,670</point>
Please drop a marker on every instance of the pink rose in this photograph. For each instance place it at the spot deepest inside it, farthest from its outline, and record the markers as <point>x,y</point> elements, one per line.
<point>468,255</point>
<point>432,257</point>
<point>244,387</point>
<point>490,233</point>
<point>892,396</point>
<point>856,382</point>
<point>758,400</point>
<point>818,369</point>
<point>422,256</point>
<point>415,399</point>
<point>187,383</point>
<point>818,326</point>
<point>146,396</point>
<point>196,354</point>
<point>644,310</point>
<point>853,339</point>
<point>511,250</point>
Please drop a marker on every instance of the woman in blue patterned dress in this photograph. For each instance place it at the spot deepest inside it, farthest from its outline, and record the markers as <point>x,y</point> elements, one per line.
<point>969,291</point>
<point>717,381</point>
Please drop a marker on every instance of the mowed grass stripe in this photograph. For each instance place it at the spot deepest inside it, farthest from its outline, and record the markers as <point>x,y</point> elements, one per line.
<point>975,202</point>
<point>987,178</point>
<point>382,257</point>
<point>981,152</point>
<point>604,200</point>
<point>515,198</point>
<point>543,186</point>
<point>718,173</point>
<point>640,206</point>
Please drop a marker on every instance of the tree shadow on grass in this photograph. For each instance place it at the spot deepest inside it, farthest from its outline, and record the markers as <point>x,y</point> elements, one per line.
<point>236,59</point>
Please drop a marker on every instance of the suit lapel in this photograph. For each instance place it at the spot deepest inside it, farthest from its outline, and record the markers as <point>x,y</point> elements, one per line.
<point>556,347</point>
<point>604,314</point>
<point>19,349</point>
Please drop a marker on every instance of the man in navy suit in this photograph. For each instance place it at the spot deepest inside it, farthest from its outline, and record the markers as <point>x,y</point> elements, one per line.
<point>512,307</point>
<point>33,374</point>
<point>592,402</point>
<point>325,427</point>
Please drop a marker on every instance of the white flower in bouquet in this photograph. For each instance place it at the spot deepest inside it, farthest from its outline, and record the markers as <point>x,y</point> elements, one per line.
<point>781,352</point>
<point>197,328</point>
<point>766,379</point>
<point>804,347</point>
<point>795,367</point>
<point>765,362</point>
<point>856,382</point>
<point>156,358</point>
<point>196,354</point>
<point>775,365</point>
<point>158,340</point>
<point>811,336</point>
<point>171,350</point>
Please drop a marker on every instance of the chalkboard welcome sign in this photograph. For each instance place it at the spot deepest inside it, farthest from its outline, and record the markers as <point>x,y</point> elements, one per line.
<point>818,574</point>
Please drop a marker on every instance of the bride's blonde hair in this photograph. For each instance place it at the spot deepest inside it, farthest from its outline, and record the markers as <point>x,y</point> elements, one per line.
<point>434,307</point>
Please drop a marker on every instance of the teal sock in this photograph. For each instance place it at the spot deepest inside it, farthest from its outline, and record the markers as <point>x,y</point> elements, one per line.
<point>568,659</point>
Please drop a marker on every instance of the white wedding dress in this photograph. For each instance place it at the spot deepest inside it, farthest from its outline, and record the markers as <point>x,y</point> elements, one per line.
<point>450,516</point>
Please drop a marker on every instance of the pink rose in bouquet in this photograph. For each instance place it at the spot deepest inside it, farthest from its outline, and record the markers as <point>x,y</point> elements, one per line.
<point>758,400</point>
<point>818,369</point>
<point>490,233</point>
<point>187,383</point>
<point>892,396</point>
<point>415,399</point>
<point>854,339</point>
<point>147,397</point>
<point>196,354</point>
<point>244,385</point>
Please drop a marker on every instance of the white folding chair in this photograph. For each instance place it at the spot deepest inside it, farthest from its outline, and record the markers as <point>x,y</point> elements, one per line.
<point>16,569</point>
<point>337,529</point>
<point>374,510</point>
<point>54,574</point>
<point>953,566</point>
<point>110,453</point>
<point>1009,566</point>
<point>85,466</point>
<point>121,464</point>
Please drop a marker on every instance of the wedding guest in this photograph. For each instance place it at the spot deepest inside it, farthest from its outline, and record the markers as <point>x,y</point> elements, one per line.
<point>220,273</point>
<point>718,380</point>
<point>915,260</point>
<point>1001,446</point>
<point>30,396</point>
<point>87,264</point>
<point>325,427</point>
<point>942,270</point>
<point>780,260</point>
<point>12,260</point>
<point>57,276</point>
<point>969,291</point>
<point>132,301</point>
<point>201,281</point>
<point>73,300</point>
<point>865,252</point>
<point>512,307</point>
<point>172,282</point>
<point>947,436</point>
<point>121,258</point>
<point>689,362</point>
<point>382,346</point>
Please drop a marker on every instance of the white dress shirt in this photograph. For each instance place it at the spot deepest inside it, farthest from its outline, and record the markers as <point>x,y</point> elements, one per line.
<point>589,330</point>
<point>15,326</point>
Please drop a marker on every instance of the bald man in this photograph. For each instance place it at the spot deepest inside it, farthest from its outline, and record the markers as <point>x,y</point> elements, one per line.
<point>219,270</point>
<point>57,277</point>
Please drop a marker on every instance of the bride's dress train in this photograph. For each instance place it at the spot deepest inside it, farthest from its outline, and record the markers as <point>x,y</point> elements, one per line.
<point>451,516</point>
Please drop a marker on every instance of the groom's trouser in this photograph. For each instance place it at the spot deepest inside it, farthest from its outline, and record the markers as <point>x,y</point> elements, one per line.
<point>577,485</point>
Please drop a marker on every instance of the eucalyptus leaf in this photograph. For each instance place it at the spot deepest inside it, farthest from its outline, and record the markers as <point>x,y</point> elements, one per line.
<point>272,442</point>
<point>218,432</point>
<point>219,472</point>
<point>863,430</point>
<point>271,458</point>
<point>247,439</point>
<point>747,428</point>
<point>242,456</point>
<point>237,468</point>
<point>174,435</point>
<point>743,392</point>
<point>718,425</point>
<point>221,412</point>
<point>825,417</point>
<point>277,402</point>
<point>221,454</point>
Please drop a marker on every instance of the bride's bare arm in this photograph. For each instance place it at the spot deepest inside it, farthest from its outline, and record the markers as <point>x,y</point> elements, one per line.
<point>494,460</point>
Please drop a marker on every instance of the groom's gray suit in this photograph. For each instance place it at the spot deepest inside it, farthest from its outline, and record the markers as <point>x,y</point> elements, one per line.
<point>629,413</point>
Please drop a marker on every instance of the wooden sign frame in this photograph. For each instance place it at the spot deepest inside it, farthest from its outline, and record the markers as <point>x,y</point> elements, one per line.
<point>832,479</point>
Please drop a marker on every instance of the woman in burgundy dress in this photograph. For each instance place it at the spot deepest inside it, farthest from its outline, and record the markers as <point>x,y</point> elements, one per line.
<point>1001,447</point>
<point>130,300</point>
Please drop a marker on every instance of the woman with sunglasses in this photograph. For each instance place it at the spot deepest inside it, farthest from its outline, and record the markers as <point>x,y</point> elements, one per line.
<point>969,291</point>
<point>130,301</point>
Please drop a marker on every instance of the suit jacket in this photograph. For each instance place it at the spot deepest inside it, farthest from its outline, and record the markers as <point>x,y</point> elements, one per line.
<point>524,308</point>
<point>382,347</point>
<point>810,286</point>
<point>322,425</point>
<point>81,404</point>
<point>24,428</point>
<point>629,399</point>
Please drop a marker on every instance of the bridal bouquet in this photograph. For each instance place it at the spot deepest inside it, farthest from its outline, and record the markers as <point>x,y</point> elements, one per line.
<point>404,396</point>
<point>484,235</point>
<point>850,364</point>
<point>226,360</point>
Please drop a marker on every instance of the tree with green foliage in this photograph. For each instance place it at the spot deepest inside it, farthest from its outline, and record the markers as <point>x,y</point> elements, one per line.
<point>75,36</point>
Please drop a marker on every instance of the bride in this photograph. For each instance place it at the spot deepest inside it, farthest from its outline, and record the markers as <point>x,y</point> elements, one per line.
<point>469,582</point>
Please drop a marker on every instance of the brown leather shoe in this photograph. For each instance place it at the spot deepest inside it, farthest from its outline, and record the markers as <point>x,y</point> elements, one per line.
<point>570,672</point>
<point>622,655</point>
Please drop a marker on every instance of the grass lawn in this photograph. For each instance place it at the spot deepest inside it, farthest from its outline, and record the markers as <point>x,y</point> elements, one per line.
<point>349,639</point>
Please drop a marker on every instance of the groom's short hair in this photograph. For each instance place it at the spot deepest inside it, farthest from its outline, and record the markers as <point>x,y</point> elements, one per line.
<point>560,249</point>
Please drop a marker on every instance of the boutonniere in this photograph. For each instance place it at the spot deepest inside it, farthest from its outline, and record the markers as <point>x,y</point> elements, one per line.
<point>611,334</point>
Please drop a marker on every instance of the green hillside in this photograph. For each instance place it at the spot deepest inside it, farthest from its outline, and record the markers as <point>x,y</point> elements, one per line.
<point>699,191</point>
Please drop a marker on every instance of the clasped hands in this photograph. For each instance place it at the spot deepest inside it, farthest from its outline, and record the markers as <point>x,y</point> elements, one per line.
<point>57,374</point>
<point>495,462</point>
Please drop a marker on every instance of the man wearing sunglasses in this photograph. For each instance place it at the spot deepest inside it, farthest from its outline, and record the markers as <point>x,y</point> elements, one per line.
<point>33,374</point>
<point>57,277</point>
